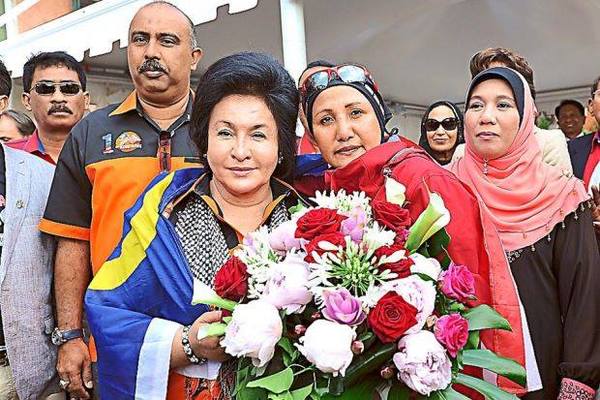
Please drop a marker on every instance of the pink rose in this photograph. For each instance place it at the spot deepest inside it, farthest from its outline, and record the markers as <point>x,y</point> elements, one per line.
<point>453,332</point>
<point>458,283</point>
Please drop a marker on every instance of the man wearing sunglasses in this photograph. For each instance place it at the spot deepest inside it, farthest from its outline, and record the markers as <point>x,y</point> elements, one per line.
<point>54,90</point>
<point>109,158</point>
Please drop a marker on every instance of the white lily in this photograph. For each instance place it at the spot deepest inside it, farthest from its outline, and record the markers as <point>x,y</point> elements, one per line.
<point>203,294</point>
<point>435,217</point>
<point>395,192</point>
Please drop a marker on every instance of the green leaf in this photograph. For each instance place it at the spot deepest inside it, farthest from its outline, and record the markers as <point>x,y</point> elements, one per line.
<point>286,344</point>
<point>362,390</point>
<point>369,362</point>
<point>302,393</point>
<point>502,366</point>
<point>281,396</point>
<point>438,243</point>
<point>398,392</point>
<point>485,317</point>
<point>473,341</point>
<point>213,329</point>
<point>290,353</point>
<point>487,389</point>
<point>276,383</point>
<point>447,394</point>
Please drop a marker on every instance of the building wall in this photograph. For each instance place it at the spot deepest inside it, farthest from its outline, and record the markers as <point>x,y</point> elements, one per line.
<point>43,11</point>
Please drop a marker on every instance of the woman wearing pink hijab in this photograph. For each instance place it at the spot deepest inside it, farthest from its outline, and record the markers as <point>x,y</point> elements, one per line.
<point>545,225</point>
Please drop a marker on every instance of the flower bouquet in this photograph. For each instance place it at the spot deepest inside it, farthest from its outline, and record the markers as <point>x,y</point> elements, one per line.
<point>352,300</point>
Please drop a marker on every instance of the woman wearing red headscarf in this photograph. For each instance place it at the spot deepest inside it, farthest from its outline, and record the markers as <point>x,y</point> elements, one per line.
<point>545,225</point>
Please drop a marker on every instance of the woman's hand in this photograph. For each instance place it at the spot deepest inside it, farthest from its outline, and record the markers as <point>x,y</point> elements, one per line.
<point>208,347</point>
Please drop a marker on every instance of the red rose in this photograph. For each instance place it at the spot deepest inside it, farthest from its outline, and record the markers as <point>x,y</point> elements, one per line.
<point>391,317</point>
<point>231,281</point>
<point>318,222</point>
<point>402,267</point>
<point>391,215</point>
<point>335,238</point>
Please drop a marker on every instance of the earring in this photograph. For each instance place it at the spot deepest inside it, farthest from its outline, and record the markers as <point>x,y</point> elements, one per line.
<point>280,159</point>
<point>205,156</point>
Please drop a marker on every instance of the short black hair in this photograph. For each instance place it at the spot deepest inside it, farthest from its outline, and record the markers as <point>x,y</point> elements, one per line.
<point>569,102</point>
<point>5,81</point>
<point>252,74</point>
<point>51,59</point>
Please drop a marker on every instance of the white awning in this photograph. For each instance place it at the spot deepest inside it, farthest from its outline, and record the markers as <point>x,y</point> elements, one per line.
<point>96,27</point>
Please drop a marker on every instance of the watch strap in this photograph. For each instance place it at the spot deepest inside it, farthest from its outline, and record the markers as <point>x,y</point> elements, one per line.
<point>72,334</point>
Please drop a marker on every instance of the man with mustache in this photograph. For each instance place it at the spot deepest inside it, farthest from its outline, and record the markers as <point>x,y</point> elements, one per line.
<point>54,90</point>
<point>107,161</point>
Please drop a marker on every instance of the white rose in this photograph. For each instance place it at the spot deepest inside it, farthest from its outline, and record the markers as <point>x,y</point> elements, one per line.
<point>422,363</point>
<point>254,330</point>
<point>287,284</point>
<point>328,345</point>
<point>418,293</point>
<point>426,266</point>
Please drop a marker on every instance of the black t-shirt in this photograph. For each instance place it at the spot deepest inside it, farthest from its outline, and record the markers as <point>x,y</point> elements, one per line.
<point>2,205</point>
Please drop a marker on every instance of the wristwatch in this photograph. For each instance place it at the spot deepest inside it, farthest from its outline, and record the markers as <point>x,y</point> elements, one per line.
<point>60,337</point>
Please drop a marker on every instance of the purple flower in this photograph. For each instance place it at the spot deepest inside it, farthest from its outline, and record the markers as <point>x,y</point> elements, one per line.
<point>342,307</point>
<point>354,225</point>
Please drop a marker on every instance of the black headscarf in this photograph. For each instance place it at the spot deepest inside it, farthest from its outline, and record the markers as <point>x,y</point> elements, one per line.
<point>382,111</point>
<point>509,76</point>
<point>460,138</point>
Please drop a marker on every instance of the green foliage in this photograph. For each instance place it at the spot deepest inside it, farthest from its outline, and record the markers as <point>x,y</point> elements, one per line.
<point>276,383</point>
<point>500,365</point>
<point>490,391</point>
<point>485,317</point>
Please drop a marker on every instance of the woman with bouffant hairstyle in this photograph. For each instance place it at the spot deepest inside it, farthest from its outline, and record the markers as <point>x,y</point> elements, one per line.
<point>243,124</point>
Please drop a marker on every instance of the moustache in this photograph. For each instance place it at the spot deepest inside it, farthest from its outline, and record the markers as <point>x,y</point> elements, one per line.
<point>56,108</point>
<point>151,65</point>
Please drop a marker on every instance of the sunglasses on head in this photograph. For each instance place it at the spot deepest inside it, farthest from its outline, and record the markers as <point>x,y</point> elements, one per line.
<point>448,124</point>
<point>348,73</point>
<point>48,88</point>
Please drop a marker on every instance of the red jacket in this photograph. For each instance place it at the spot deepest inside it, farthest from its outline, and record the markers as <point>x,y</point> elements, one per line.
<point>474,241</point>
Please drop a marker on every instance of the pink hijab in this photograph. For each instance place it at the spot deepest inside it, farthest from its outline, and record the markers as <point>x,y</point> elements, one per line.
<point>525,197</point>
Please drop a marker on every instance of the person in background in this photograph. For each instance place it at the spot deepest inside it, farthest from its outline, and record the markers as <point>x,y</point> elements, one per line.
<point>108,160</point>
<point>15,125</point>
<point>570,115</point>
<point>54,90</point>
<point>305,146</point>
<point>5,87</point>
<point>243,126</point>
<point>27,355</point>
<point>441,131</point>
<point>585,156</point>
<point>552,142</point>
<point>545,225</point>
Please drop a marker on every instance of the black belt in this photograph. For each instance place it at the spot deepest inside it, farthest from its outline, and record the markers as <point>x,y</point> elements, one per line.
<point>3,357</point>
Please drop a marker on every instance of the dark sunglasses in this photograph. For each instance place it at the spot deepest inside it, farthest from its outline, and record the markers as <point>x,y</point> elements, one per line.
<point>448,124</point>
<point>348,73</point>
<point>48,88</point>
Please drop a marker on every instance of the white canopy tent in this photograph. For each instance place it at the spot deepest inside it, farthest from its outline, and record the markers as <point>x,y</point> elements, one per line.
<point>418,50</point>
